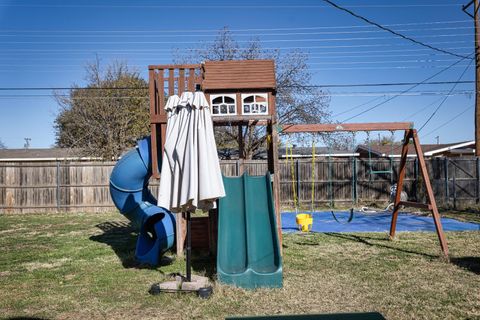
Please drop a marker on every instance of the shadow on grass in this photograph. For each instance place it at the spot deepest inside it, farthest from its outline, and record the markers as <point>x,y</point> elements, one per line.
<point>471,264</point>
<point>365,240</point>
<point>122,238</point>
<point>204,264</point>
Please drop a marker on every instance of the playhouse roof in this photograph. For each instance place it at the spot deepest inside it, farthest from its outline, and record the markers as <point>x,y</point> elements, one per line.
<point>239,74</point>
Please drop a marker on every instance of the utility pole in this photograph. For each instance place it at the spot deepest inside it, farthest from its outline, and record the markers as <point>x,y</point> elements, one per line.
<point>477,71</point>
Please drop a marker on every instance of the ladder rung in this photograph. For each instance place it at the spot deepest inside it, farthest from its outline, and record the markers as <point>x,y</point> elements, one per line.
<point>380,171</point>
<point>415,205</point>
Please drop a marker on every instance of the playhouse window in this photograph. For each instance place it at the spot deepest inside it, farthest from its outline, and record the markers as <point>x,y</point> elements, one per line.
<point>254,103</point>
<point>223,105</point>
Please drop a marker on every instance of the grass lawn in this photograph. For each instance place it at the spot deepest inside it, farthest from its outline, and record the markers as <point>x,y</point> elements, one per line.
<point>82,266</point>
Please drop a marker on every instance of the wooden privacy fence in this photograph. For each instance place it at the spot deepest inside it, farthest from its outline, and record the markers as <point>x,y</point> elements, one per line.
<point>83,186</point>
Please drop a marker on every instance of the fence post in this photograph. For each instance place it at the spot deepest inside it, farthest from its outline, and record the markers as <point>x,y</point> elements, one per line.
<point>445,170</point>
<point>297,183</point>
<point>415,177</point>
<point>57,191</point>
<point>354,179</point>
<point>478,180</point>
<point>454,187</point>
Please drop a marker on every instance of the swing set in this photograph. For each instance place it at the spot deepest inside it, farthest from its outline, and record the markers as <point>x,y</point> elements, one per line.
<point>410,134</point>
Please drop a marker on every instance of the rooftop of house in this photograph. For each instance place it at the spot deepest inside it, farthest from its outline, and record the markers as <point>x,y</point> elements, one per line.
<point>44,154</point>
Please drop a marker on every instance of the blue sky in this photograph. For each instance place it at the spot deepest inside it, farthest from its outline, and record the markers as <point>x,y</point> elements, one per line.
<point>46,43</point>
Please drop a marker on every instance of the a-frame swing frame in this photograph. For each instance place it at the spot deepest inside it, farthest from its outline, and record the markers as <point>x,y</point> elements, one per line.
<point>410,135</point>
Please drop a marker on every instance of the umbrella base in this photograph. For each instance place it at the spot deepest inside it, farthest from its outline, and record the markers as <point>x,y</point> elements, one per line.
<point>198,284</point>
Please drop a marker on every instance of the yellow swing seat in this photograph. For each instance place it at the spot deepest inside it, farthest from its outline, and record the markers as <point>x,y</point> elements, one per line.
<point>304,222</point>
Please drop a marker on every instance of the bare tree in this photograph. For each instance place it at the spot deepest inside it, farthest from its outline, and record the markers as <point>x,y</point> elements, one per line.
<point>106,117</point>
<point>2,145</point>
<point>297,100</point>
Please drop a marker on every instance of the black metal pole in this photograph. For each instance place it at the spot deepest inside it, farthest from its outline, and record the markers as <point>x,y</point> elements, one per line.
<point>189,248</point>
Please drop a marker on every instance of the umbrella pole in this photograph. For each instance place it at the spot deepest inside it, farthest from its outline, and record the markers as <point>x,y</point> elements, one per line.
<point>189,247</point>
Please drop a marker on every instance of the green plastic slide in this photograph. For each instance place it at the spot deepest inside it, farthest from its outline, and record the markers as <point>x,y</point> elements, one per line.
<point>248,254</point>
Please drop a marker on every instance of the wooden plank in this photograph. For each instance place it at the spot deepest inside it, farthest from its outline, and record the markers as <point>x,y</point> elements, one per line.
<point>191,79</point>
<point>181,232</point>
<point>171,82</point>
<point>174,66</point>
<point>153,126</point>
<point>181,81</point>
<point>151,89</point>
<point>240,118</point>
<point>341,127</point>
<point>415,205</point>
<point>431,197</point>
<point>401,176</point>
<point>159,118</point>
<point>161,91</point>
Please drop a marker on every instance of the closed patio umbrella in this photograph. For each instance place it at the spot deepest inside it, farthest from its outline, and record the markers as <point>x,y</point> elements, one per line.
<point>191,176</point>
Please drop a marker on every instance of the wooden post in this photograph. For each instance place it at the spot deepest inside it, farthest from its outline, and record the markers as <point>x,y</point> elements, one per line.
<point>181,81</point>
<point>431,197</point>
<point>477,161</point>
<point>273,168</point>
<point>454,185</point>
<point>401,176</point>
<point>447,191</point>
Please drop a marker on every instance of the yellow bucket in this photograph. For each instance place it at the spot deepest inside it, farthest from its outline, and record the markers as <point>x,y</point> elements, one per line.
<point>304,222</point>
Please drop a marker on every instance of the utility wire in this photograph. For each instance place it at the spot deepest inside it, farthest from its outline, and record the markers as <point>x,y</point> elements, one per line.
<point>357,106</point>
<point>135,6</point>
<point>92,50</point>
<point>448,121</point>
<point>250,34</point>
<point>392,31</point>
<point>445,98</point>
<point>243,30</point>
<point>407,90</point>
<point>291,86</point>
<point>238,41</point>
<point>422,109</point>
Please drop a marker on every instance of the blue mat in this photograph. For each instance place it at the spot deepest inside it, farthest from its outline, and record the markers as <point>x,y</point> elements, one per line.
<point>324,222</point>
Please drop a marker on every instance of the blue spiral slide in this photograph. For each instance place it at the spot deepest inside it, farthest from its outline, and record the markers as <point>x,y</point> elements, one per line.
<point>130,194</point>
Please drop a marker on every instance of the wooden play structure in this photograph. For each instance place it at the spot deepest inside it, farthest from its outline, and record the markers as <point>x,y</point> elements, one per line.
<point>242,93</point>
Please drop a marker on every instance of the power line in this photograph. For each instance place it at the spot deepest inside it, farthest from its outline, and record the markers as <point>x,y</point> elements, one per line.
<point>245,30</point>
<point>449,121</point>
<point>92,50</point>
<point>445,99</point>
<point>343,94</point>
<point>392,31</point>
<point>422,109</point>
<point>250,34</point>
<point>238,41</point>
<point>407,90</point>
<point>357,106</point>
<point>292,86</point>
<point>326,63</point>
<point>219,6</point>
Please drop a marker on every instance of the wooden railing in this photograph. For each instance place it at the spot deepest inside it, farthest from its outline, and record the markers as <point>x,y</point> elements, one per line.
<point>164,81</point>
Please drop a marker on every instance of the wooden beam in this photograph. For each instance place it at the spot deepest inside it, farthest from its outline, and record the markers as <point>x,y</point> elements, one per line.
<point>431,197</point>
<point>341,127</point>
<point>401,176</point>
<point>174,66</point>
<point>415,205</point>
<point>158,118</point>
<point>240,119</point>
